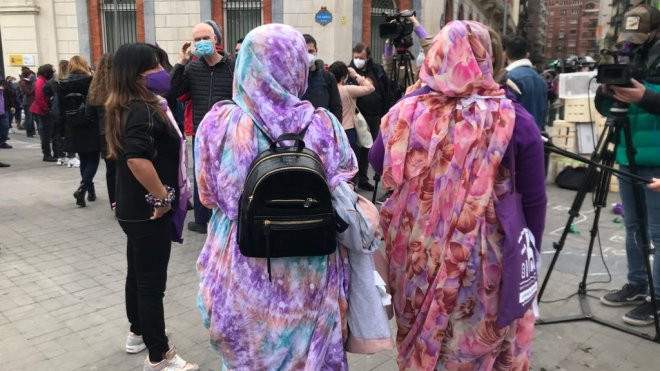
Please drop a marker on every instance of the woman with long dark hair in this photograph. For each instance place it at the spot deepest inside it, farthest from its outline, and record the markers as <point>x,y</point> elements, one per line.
<point>81,135</point>
<point>149,152</point>
<point>95,112</point>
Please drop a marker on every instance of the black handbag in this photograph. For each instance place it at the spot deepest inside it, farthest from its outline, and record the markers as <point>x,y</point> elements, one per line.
<point>573,177</point>
<point>286,209</point>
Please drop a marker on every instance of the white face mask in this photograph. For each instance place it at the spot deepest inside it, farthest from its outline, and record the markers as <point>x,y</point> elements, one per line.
<point>359,63</point>
<point>420,59</point>
<point>311,58</point>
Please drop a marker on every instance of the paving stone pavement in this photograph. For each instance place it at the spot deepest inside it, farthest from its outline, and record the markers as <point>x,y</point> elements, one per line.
<point>62,272</point>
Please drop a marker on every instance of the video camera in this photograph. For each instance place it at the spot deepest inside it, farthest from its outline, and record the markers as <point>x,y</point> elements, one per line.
<point>400,31</point>
<point>628,64</point>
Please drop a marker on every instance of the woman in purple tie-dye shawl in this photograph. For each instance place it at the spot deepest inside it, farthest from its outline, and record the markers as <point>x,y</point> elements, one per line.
<point>296,321</point>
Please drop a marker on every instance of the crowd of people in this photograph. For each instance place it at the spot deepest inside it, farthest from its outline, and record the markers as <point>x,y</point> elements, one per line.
<point>459,151</point>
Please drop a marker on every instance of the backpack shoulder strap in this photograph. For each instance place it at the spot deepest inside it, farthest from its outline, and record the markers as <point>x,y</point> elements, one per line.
<point>270,141</point>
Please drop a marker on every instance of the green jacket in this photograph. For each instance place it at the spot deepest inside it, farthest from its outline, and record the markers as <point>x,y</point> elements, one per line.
<point>644,126</point>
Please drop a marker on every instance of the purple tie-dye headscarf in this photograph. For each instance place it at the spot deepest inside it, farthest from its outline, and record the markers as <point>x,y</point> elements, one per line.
<point>270,76</point>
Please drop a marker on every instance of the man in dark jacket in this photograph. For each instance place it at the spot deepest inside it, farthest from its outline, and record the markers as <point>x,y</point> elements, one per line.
<point>373,106</point>
<point>26,83</point>
<point>208,80</point>
<point>322,88</point>
<point>533,88</point>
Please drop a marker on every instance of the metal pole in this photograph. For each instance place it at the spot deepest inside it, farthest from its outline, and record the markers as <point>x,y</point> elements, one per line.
<point>115,30</point>
<point>504,21</point>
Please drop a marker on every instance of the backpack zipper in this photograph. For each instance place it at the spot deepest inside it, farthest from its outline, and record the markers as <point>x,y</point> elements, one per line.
<point>306,202</point>
<point>273,224</point>
<point>251,197</point>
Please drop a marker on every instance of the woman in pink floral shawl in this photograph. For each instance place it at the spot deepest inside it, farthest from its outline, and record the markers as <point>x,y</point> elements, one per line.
<point>443,150</point>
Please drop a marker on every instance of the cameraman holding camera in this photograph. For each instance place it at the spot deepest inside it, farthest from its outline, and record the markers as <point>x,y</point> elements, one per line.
<point>388,56</point>
<point>641,33</point>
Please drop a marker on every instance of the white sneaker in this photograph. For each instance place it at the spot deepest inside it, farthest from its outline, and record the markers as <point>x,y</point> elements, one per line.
<point>62,161</point>
<point>74,162</point>
<point>171,362</point>
<point>134,343</point>
<point>11,131</point>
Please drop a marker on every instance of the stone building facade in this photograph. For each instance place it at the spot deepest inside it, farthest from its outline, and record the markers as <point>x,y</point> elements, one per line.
<point>34,32</point>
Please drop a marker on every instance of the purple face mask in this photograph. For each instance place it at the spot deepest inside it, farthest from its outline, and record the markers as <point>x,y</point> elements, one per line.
<point>159,82</point>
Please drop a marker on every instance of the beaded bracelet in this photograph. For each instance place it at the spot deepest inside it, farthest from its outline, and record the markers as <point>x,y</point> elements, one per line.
<point>156,202</point>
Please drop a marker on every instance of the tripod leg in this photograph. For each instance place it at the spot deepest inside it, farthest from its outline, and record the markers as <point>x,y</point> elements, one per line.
<point>574,212</point>
<point>640,205</point>
<point>600,201</point>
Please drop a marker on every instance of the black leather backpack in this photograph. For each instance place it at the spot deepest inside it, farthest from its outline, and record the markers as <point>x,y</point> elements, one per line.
<point>286,206</point>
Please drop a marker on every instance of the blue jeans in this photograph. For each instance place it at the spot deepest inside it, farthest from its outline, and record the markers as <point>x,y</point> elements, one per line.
<point>89,163</point>
<point>636,266</point>
<point>4,129</point>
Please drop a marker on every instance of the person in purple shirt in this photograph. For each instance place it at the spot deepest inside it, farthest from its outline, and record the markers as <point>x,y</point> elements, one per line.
<point>447,150</point>
<point>527,146</point>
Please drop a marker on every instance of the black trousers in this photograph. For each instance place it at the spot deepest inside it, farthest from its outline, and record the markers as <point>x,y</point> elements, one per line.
<point>148,253</point>
<point>29,121</point>
<point>110,178</point>
<point>110,171</point>
<point>363,154</point>
<point>46,130</point>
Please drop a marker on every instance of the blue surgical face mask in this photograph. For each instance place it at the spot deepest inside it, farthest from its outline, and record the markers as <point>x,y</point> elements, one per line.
<point>204,48</point>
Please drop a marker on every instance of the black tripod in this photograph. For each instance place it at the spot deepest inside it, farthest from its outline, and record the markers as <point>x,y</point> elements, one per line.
<point>603,158</point>
<point>402,59</point>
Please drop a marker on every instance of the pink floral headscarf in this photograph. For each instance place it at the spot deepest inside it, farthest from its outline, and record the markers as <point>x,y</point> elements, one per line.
<point>443,149</point>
